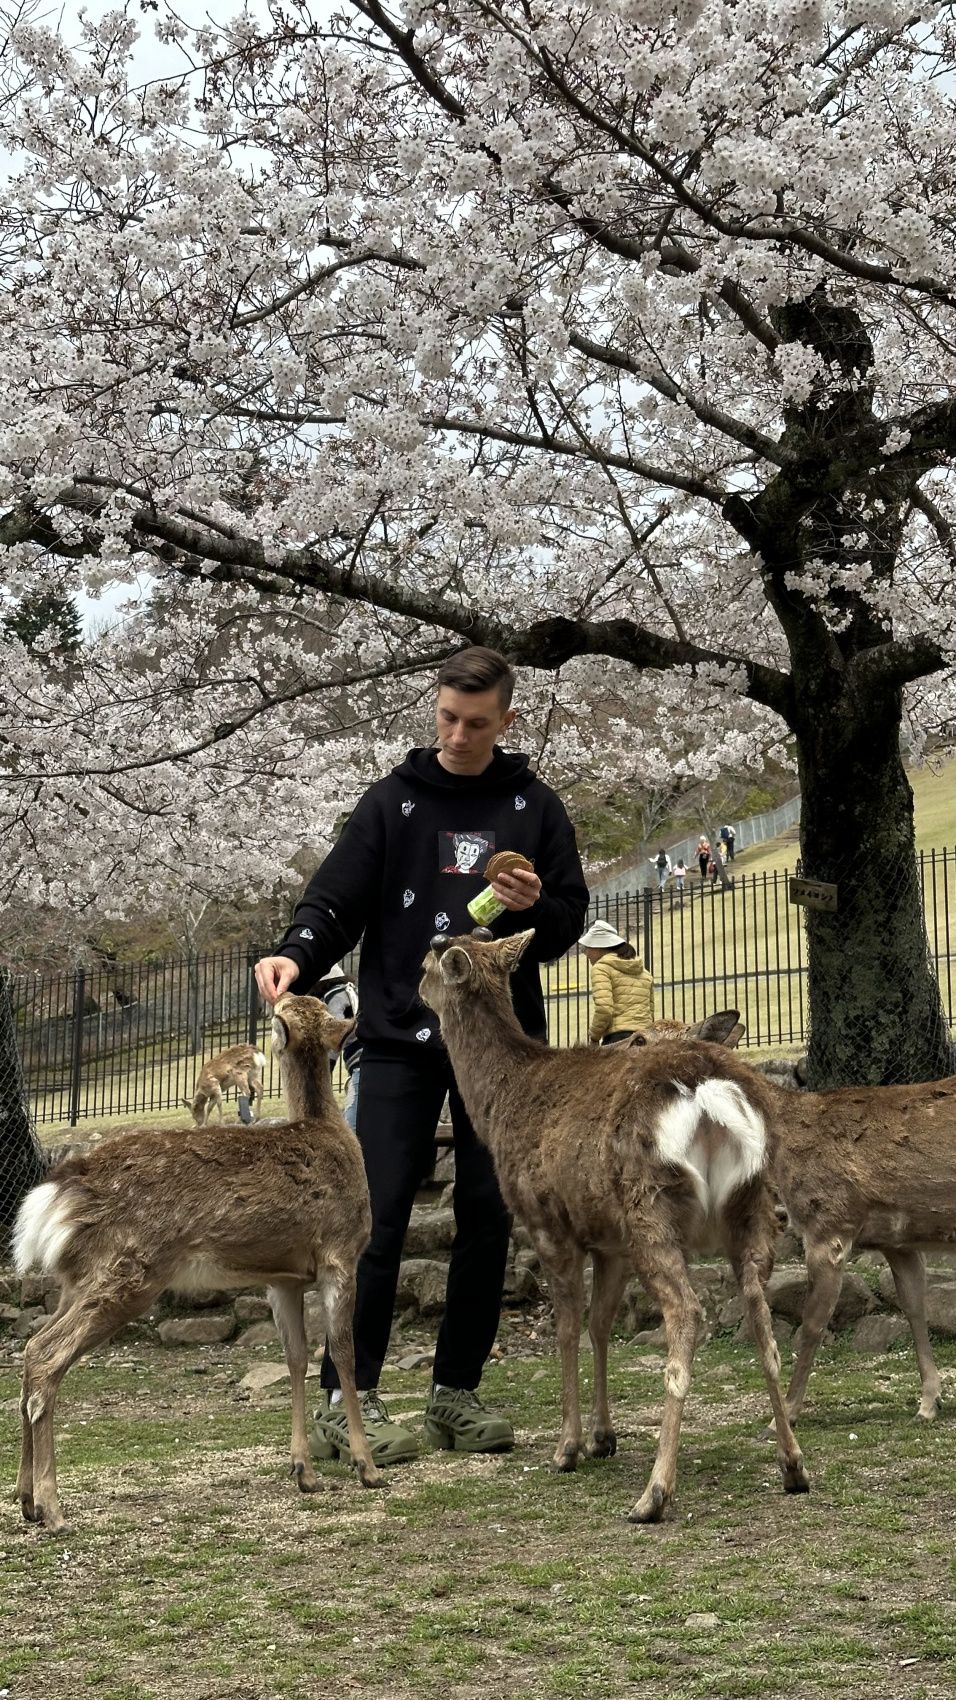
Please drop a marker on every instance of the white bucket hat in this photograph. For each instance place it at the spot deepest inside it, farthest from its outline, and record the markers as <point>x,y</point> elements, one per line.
<point>600,936</point>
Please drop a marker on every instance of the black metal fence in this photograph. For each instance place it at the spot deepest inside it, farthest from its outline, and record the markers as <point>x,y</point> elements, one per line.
<point>130,1039</point>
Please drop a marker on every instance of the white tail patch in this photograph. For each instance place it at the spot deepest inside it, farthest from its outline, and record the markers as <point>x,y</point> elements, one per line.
<point>259,1058</point>
<point>685,1134</point>
<point>42,1229</point>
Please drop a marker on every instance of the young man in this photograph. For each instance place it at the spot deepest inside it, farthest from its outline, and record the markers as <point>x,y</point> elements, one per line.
<point>409,860</point>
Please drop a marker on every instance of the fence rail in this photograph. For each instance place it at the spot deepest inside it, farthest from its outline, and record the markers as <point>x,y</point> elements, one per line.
<point>130,1039</point>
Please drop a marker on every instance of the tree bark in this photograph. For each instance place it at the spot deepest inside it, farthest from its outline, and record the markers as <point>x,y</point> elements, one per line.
<point>876,1014</point>
<point>21,1160</point>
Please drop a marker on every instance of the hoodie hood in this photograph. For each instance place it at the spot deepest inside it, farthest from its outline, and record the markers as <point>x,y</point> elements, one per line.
<point>505,775</point>
<point>629,966</point>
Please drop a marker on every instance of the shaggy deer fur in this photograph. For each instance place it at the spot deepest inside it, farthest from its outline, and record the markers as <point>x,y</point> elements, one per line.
<point>870,1167</point>
<point>631,1154</point>
<point>240,1066</point>
<point>283,1206</point>
<point>865,1168</point>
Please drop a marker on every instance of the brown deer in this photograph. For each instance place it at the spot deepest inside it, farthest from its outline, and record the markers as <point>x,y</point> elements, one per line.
<point>871,1168</point>
<point>283,1206</point>
<point>240,1066</point>
<point>866,1168</point>
<point>633,1155</point>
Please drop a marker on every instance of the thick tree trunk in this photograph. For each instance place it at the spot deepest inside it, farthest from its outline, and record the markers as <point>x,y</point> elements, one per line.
<point>21,1160</point>
<point>876,1015</point>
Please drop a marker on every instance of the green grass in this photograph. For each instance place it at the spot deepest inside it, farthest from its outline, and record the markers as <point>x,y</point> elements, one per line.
<point>192,1567</point>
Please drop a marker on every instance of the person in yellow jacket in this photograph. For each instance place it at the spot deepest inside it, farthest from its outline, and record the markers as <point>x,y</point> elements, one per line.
<point>622,990</point>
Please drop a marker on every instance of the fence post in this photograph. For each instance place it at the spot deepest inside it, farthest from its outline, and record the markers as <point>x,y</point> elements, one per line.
<point>647,928</point>
<point>79,1000</point>
<point>252,1000</point>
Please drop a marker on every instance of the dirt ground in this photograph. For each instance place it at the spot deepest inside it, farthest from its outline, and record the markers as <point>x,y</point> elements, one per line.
<point>192,1567</point>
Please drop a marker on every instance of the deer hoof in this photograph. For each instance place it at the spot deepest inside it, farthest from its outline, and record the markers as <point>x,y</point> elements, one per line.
<point>51,1517</point>
<point>566,1457</point>
<point>650,1507</point>
<point>929,1409</point>
<point>603,1443</point>
<point>27,1508</point>
<point>795,1477</point>
<point>370,1477</point>
<point>306,1479</point>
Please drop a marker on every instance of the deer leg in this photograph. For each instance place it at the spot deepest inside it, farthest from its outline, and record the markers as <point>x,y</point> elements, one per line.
<point>610,1278</point>
<point>667,1282</point>
<point>752,1270</point>
<point>564,1269</point>
<point>825,1263</point>
<point>91,1318</point>
<point>339,1309</point>
<point>24,1488</point>
<point>909,1277</point>
<point>286,1302</point>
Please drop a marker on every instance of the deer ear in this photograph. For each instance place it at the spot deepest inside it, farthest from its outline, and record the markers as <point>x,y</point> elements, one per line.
<point>335,1033</point>
<point>718,1029</point>
<point>455,965</point>
<point>511,950</point>
<point>280,1035</point>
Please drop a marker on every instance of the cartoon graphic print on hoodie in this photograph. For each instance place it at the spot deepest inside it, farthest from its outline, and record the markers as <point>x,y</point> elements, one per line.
<point>406,864</point>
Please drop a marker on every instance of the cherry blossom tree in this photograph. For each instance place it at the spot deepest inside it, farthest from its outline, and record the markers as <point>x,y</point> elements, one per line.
<point>619,336</point>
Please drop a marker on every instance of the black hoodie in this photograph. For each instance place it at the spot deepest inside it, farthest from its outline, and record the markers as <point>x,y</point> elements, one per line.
<point>409,859</point>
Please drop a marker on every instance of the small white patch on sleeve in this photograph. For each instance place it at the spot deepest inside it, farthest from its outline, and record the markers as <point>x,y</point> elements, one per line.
<point>43,1229</point>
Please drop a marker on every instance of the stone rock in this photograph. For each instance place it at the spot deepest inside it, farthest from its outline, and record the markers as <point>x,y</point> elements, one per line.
<point>447,1196</point>
<point>314,1319</point>
<point>521,1237</point>
<point>940,1300</point>
<point>264,1375</point>
<point>252,1307</point>
<point>637,1312</point>
<point>702,1620</point>
<point>878,1333</point>
<point>783,1330</point>
<point>8,1313</point>
<point>789,1247</point>
<point>444,1170</point>
<point>787,1292</point>
<point>527,1258</point>
<point>416,1360</point>
<point>258,1334</point>
<point>941,1308</point>
<point>208,1329</point>
<point>521,1286</point>
<point>421,1286</point>
<point>429,1231</point>
<point>34,1289</point>
<point>9,1290</point>
<point>28,1321</point>
<point>651,1337</point>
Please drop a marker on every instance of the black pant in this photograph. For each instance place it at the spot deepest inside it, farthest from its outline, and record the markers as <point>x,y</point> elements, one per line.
<point>399,1102</point>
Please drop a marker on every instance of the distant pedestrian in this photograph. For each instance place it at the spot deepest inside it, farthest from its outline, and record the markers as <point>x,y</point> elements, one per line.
<point>731,840</point>
<point>703,855</point>
<point>680,874</point>
<point>662,863</point>
<point>622,990</point>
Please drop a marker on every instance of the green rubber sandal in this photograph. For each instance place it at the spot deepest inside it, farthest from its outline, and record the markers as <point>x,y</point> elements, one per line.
<point>389,1443</point>
<point>457,1421</point>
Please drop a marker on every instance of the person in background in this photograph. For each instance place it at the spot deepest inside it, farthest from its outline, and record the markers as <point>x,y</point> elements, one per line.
<point>340,995</point>
<point>703,855</point>
<point>680,874</point>
<point>622,991</point>
<point>662,864</point>
<point>407,862</point>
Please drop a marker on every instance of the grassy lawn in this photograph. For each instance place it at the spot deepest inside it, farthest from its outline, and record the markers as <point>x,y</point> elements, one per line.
<point>192,1568</point>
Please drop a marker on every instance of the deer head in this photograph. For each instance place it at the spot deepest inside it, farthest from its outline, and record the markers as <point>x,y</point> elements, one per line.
<point>306,1024</point>
<point>473,962</point>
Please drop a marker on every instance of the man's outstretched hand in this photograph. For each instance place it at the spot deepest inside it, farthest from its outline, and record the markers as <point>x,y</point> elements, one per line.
<point>274,975</point>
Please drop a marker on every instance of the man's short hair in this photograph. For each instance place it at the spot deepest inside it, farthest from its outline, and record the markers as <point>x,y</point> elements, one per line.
<point>476,669</point>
